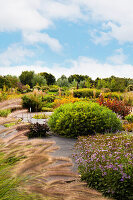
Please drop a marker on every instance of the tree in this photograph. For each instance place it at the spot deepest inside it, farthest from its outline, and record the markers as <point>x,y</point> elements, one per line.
<point>63,81</point>
<point>77,78</point>
<point>49,78</point>
<point>38,79</point>
<point>26,77</point>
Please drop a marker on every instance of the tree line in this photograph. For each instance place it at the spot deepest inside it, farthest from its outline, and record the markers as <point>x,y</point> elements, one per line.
<point>79,81</point>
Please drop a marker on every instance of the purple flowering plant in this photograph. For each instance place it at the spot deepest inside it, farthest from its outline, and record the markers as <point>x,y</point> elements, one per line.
<point>106,163</point>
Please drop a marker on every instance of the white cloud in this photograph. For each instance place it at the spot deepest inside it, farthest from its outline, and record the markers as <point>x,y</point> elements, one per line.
<point>82,65</point>
<point>42,38</point>
<point>14,54</point>
<point>118,58</point>
<point>38,15</point>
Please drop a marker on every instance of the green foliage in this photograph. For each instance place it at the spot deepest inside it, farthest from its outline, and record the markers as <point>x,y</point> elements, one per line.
<point>32,101</point>
<point>113,95</point>
<point>38,80</point>
<point>26,77</point>
<point>5,112</point>
<point>77,78</point>
<point>40,116</point>
<point>49,78</point>
<point>38,130</point>
<point>129,118</point>
<point>49,98</point>
<point>63,81</point>
<point>45,109</point>
<point>9,81</point>
<point>82,118</point>
<point>105,163</point>
<point>9,124</point>
<point>85,92</point>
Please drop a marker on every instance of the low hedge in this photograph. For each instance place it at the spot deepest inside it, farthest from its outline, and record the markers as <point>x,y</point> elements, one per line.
<point>86,92</point>
<point>83,118</point>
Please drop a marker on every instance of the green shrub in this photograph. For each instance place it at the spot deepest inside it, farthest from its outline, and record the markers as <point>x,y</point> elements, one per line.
<point>129,118</point>
<point>38,130</point>
<point>5,113</point>
<point>85,92</point>
<point>53,90</point>
<point>82,118</point>
<point>32,101</point>
<point>105,162</point>
<point>48,104</point>
<point>45,109</point>
<point>49,98</point>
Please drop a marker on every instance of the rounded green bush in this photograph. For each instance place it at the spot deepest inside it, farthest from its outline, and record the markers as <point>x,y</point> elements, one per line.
<point>83,118</point>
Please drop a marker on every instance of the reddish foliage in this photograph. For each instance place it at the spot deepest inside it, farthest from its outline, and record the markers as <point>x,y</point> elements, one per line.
<point>115,105</point>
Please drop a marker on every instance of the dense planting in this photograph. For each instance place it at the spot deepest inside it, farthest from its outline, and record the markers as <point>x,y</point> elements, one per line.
<point>82,118</point>
<point>106,163</point>
<point>129,118</point>
<point>115,105</point>
<point>86,92</point>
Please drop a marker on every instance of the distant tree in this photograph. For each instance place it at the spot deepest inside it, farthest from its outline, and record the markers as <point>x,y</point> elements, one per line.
<point>38,79</point>
<point>77,78</point>
<point>9,81</point>
<point>63,81</point>
<point>49,78</point>
<point>26,77</point>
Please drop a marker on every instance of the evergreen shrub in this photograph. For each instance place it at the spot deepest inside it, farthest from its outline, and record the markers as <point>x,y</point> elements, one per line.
<point>83,118</point>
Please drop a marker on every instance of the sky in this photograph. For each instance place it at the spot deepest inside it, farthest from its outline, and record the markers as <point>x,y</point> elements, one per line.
<point>89,37</point>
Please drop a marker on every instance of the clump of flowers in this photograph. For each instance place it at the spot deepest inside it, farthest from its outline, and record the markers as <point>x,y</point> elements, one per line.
<point>128,127</point>
<point>64,100</point>
<point>115,105</point>
<point>106,163</point>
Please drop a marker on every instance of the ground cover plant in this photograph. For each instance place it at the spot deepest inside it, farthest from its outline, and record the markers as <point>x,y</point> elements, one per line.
<point>40,116</point>
<point>106,163</point>
<point>115,105</point>
<point>83,118</point>
<point>5,112</point>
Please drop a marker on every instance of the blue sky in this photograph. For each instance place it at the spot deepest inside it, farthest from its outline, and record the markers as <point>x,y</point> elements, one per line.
<point>93,37</point>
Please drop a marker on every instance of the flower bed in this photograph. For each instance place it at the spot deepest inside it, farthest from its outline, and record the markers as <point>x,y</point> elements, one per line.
<point>106,163</point>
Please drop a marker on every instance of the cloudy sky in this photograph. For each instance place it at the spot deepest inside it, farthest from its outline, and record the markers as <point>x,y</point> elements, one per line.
<point>92,37</point>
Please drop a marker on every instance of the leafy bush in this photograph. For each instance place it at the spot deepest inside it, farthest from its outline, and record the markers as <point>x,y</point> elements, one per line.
<point>105,162</point>
<point>45,109</point>
<point>82,118</point>
<point>38,130</point>
<point>40,116</point>
<point>129,118</point>
<point>115,105</point>
<point>32,101</point>
<point>49,98</point>
<point>91,93</point>
<point>5,113</point>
